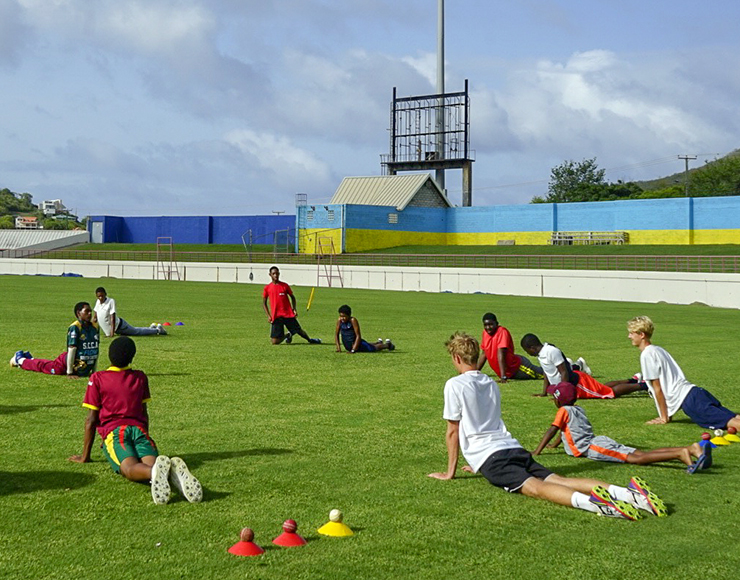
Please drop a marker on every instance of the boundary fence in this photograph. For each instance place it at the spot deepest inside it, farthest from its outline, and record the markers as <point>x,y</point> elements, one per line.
<point>705,264</point>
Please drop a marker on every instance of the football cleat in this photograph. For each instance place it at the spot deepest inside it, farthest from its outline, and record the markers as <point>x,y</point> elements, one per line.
<point>160,480</point>
<point>184,481</point>
<point>645,499</point>
<point>314,340</point>
<point>613,508</point>
<point>15,360</point>
<point>288,338</point>
<point>584,365</point>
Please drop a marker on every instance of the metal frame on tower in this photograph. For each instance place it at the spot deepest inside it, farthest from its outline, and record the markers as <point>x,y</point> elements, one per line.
<point>166,264</point>
<point>420,142</point>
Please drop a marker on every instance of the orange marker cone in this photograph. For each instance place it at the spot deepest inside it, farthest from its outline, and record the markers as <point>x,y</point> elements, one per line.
<point>245,546</point>
<point>289,538</point>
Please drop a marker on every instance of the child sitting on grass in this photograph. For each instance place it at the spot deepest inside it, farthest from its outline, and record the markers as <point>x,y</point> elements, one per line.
<point>472,409</point>
<point>572,425</point>
<point>117,400</point>
<point>348,331</point>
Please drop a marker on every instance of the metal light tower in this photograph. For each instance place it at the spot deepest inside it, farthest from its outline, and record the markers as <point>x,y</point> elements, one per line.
<point>440,173</point>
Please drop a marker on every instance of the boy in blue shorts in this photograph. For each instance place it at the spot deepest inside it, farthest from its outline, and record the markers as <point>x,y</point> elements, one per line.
<point>472,409</point>
<point>348,331</point>
<point>572,426</point>
<point>669,387</point>
<point>117,399</point>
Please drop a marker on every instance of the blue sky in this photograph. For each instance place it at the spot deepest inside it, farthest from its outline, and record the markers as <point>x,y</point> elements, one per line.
<point>231,107</point>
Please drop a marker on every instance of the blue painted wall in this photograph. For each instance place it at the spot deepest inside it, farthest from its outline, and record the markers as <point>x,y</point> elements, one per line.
<point>191,229</point>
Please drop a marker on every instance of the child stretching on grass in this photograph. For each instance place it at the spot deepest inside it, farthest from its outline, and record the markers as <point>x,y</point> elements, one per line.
<point>348,330</point>
<point>572,425</point>
<point>117,400</point>
<point>557,369</point>
<point>472,408</point>
<point>669,387</point>
<point>81,356</point>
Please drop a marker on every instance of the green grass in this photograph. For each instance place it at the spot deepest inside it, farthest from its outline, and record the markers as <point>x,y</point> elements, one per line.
<point>294,431</point>
<point>608,250</point>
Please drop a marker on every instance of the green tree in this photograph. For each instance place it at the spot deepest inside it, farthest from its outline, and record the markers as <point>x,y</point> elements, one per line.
<point>574,181</point>
<point>7,222</point>
<point>717,177</point>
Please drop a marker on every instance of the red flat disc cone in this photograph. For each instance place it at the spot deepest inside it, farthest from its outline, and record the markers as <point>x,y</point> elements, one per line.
<point>246,549</point>
<point>289,539</point>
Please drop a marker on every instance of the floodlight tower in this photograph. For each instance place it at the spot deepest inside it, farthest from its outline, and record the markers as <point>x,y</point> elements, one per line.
<point>440,173</point>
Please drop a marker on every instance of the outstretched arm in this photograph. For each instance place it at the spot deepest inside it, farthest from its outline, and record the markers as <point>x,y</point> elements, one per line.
<point>358,334</point>
<point>663,417</point>
<point>336,337</point>
<point>266,308</point>
<point>481,360</point>
<point>91,422</point>
<point>452,438</point>
<point>549,434</point>
<point>501,354</point>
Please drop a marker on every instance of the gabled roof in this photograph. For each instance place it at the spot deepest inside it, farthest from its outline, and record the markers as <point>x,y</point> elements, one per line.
<point>386,190</point>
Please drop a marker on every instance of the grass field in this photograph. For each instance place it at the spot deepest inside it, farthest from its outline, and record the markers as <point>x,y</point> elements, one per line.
<point>292,431</point>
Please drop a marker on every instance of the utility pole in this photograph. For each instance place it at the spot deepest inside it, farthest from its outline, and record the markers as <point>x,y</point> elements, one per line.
<point>686,158</point>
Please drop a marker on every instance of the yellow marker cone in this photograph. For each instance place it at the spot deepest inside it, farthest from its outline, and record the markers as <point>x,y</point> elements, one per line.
<point>732,437</point>
<point>719,441</point>
<point>335,527</point>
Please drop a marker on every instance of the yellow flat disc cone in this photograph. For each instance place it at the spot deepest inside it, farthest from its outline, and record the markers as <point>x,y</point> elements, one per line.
<point>732,437</point>
<point>336,529</point>
<point>719,441</point>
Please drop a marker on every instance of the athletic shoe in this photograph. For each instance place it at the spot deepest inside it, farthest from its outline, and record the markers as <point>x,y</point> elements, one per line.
<point>584,366</point>
<point>27,354</point>
<point>379,340</point>
<point>153,325</point>
<point>637,377</point>
<point>15,360</point>
<point>645,499</point>
<point>613,508</point>
<point>314,341</point>
<point>704,461</point>
<point>161,330</point>
<point>160,480</point>
<point>391,346</point>
<point>184,481</point>
<point>570,361</point>
<point>288,338</point>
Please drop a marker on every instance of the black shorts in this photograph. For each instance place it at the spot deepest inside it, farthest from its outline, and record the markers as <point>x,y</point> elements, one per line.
<point>510,468</point>
<point>277,329</point>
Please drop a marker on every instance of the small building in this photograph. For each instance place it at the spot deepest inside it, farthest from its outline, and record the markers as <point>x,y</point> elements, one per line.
<point>399,191</point>
<point>52,207</point>
<point>23,222</point>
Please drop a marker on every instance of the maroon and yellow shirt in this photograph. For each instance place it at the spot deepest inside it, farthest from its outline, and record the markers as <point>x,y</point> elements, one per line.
<point>119,396</point>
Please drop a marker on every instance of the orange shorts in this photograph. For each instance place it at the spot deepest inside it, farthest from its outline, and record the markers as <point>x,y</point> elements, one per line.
<point>590,388</point>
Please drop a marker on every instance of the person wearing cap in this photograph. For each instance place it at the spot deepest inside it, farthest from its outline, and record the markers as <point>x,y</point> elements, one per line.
<point>117,400</point>
<point>497,347</point>
<point>571,426</point>
<point>472,409</point>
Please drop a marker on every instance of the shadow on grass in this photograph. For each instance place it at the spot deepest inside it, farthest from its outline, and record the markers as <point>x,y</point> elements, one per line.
<point>32,481</point>
<point>12,409</point>
<point>197,459</point>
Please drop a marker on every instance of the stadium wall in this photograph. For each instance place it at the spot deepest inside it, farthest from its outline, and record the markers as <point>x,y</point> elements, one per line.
<point>705,220</point>
<point>719,290</point>
<point>190,229</point>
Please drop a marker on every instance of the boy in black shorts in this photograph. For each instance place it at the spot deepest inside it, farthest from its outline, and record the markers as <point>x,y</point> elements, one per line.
<point>472,408</point>
<point>281,311</point>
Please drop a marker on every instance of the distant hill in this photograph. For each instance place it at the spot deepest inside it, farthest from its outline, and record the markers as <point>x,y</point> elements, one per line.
<point>719,176</point>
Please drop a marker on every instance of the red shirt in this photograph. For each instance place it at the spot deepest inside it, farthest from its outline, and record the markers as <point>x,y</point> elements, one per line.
<point>490,345</point>
<point>119,395</point>
<point>280,304</point>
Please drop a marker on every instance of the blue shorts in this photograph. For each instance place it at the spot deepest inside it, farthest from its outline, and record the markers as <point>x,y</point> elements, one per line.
<point>705,410</point>
<point>365,346</point>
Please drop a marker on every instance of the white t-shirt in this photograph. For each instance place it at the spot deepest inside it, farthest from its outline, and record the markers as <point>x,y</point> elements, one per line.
<point>473,399</point>
<point>550,357</point>
<point>103,312</point>
<point>656,363</point>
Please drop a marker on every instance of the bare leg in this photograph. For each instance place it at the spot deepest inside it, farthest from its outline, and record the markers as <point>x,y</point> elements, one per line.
<point>135,470</point>
<point>621,388</point>
<point>559,489</point>
<point>683,454</point>
<point>734,422</point>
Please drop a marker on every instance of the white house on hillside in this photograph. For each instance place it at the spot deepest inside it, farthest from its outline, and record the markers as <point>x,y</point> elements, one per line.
<point>52,207</point>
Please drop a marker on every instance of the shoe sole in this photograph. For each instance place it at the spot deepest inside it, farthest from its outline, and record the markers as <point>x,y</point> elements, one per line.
<point>185,482</point>
<point>623,509</point>
<point>160,480</point>
<point>657,506</point>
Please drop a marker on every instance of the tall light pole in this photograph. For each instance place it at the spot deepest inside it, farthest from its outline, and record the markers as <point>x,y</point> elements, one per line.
<point>686,158</point>
<point>440,173</point>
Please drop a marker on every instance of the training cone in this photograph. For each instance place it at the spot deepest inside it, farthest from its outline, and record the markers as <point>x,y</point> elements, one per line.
<point>719,441</point>
<point>245,546</point>
<point>732,438</point>
<point>335,527</point>
<point>166,324</point>
<point>289,538</point>
<point>179,324</point>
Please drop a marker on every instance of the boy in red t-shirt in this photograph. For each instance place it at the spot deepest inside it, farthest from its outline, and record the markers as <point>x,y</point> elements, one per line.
<point>497,347</point>
<point>281,311</point>
<point>117,400</point>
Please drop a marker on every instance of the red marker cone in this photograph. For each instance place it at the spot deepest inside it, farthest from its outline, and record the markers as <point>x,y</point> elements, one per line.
<point>167,324</point>
<point>245,546</point>
<point>289,538</point>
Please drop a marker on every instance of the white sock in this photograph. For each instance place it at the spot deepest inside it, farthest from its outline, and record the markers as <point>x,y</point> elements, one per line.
<point>621,493</point>
<point>582,501</point>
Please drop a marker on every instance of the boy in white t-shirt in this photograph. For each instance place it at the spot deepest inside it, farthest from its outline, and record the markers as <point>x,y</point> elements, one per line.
<point>669,387</point>
<point>110,323</point>
<point>472,409</point>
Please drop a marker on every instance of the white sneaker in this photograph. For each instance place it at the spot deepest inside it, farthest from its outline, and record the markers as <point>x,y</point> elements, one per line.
<point>153,325</point>
<point>160,480</point>
<point>184,481</point>
<point>637,377</point>
<point>161,330</point>
<point>584,365</point>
